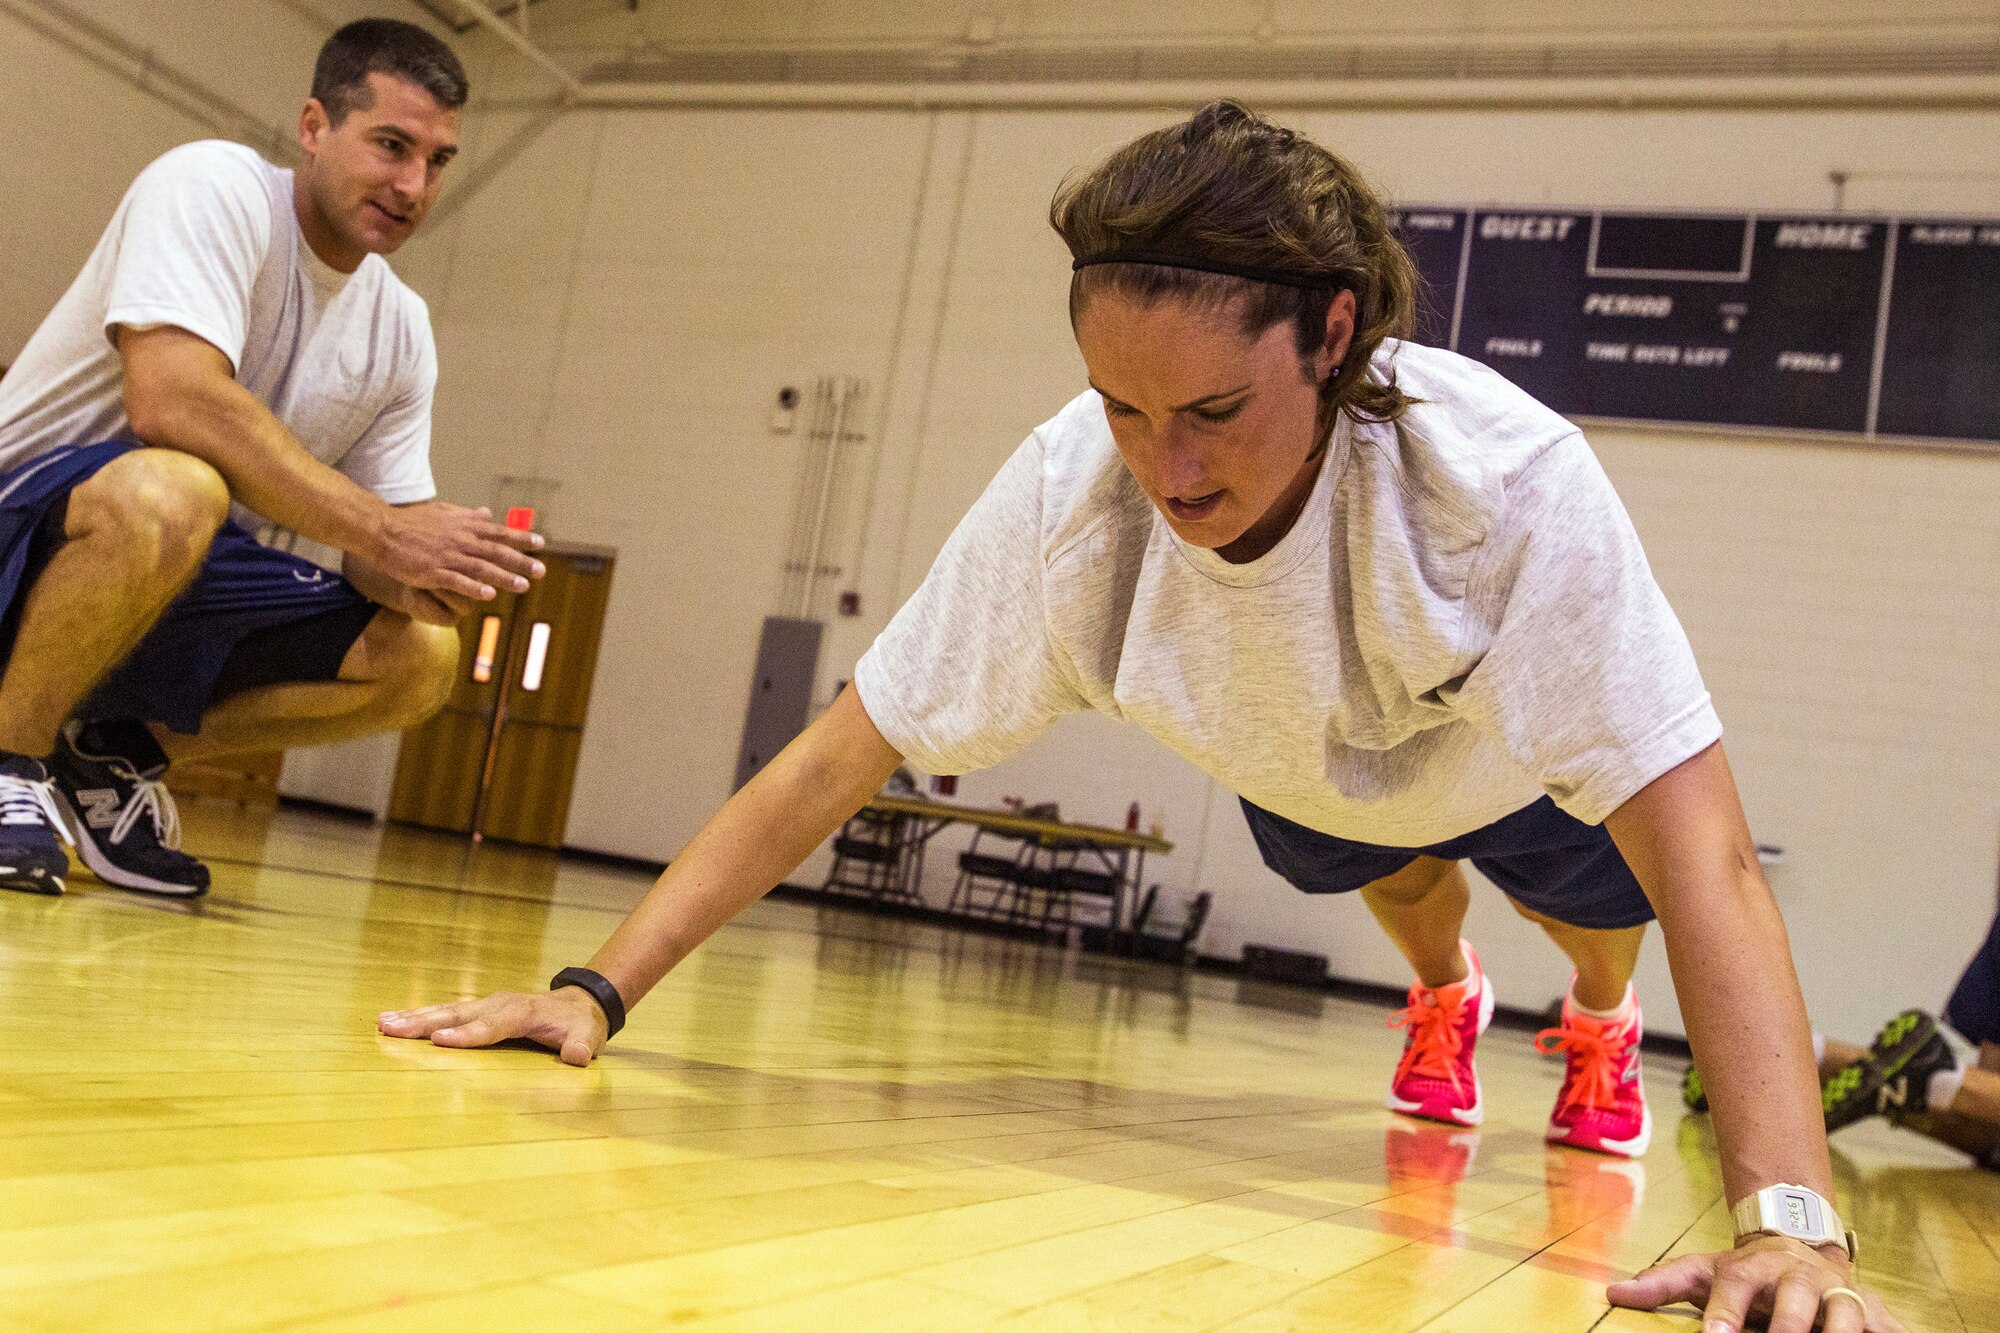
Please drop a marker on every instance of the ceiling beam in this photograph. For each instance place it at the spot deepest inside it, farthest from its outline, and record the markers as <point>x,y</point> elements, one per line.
<point>515,38</point>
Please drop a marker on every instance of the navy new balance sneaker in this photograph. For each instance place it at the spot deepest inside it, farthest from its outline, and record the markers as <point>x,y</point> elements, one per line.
<point>32,859</point>
<point>1909,1050</point>
<point>128,831</point>
<point>1894,1078</point>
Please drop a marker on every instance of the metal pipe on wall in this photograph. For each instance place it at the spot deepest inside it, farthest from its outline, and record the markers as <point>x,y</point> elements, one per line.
<point>850,393</point>
<point>857,557</point>
<point>811,461</point>
<point>826,448</point>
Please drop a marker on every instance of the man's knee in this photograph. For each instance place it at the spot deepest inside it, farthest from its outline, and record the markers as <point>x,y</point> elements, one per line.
<point>419,666</point>
<point>435,668</point>
<point>164,504</point>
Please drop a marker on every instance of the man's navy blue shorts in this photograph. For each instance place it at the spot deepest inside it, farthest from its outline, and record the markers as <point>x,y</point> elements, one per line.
<point>1545,860</point>
<point>189,660</point>
<point>1974,1008</point>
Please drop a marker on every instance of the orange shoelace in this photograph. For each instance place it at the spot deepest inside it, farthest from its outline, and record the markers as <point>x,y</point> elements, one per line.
<point>1594,1054</point>
<point>1434,1043</point>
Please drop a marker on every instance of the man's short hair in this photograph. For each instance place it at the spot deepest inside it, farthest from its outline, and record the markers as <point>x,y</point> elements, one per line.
<point>384,46</point>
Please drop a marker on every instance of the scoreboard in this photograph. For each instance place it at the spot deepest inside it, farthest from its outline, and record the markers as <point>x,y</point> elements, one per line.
<point>1866,325</point>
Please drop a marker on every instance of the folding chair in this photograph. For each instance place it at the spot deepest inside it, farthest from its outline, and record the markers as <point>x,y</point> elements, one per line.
<point>870,856</point>
<point>993,885</point>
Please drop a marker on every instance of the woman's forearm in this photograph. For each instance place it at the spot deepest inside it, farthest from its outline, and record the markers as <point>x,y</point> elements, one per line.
<point>758,837</point>
<point>1746,1021</point>
<point>1686,839</point>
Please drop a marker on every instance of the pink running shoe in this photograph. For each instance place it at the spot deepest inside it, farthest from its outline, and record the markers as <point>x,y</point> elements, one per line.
<point>1602,1105</point>
<point>1436,1080</point>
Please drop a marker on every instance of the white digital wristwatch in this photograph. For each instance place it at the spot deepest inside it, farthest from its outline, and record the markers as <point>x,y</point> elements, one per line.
<point>1794,1211</point>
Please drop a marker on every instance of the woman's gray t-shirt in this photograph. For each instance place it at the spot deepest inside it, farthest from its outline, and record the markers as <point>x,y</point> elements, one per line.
<point>1460,621</point>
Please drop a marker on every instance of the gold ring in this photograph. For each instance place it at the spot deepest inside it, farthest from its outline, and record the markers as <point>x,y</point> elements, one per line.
<point>1831,1292</point>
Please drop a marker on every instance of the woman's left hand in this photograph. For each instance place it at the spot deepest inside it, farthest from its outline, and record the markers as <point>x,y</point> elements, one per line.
<point>1784,1279</point>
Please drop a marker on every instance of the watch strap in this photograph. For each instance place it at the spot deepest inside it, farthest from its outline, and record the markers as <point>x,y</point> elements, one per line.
<point>600,989</point>
<point>1748,1215</point>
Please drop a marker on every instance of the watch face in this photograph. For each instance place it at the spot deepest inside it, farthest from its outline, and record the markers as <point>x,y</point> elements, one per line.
<point>1798,1213</point>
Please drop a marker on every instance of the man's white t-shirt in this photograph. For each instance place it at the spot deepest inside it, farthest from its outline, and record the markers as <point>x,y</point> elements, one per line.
<point>207,239</point>
<point>1460,621</point>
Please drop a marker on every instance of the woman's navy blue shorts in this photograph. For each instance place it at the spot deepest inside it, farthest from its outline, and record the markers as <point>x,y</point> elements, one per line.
<point>243,592</point>
<point>1545,860</point>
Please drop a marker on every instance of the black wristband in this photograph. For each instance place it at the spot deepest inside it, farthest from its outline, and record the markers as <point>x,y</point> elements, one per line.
<point>601,990</point>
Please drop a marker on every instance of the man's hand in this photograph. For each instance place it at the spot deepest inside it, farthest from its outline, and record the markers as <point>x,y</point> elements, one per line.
<point>428,608</point>
<point>1764,1275</point>
<point>433,608</point>
<point>438,547</point>
<point>567,1021</point>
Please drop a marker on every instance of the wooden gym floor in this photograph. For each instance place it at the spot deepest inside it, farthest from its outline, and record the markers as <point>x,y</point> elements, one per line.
<point>824,1120</point>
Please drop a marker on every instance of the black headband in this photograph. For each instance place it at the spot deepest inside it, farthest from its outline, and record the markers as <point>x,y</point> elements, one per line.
<point>1201,265</point>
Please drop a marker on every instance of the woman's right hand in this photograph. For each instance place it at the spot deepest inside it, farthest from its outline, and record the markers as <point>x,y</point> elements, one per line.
<point>799,800</point>
<point>567,1021</point>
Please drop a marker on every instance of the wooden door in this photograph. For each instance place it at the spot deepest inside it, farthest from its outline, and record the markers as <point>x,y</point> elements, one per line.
<point>500,758</point>
<point>442,761</point>
<point>550,670</point>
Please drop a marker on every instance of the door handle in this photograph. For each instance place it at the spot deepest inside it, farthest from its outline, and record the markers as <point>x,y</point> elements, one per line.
<point>538,655</point>
<point>489,644</point>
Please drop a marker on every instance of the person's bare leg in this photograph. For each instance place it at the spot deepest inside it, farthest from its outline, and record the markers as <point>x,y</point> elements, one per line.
<point>1421,908</point>
<point>1837,1056</point>
<point>1970,1121</point>
<point>136,532</point>
<point>1604,959</point>
<point>398,673</point>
